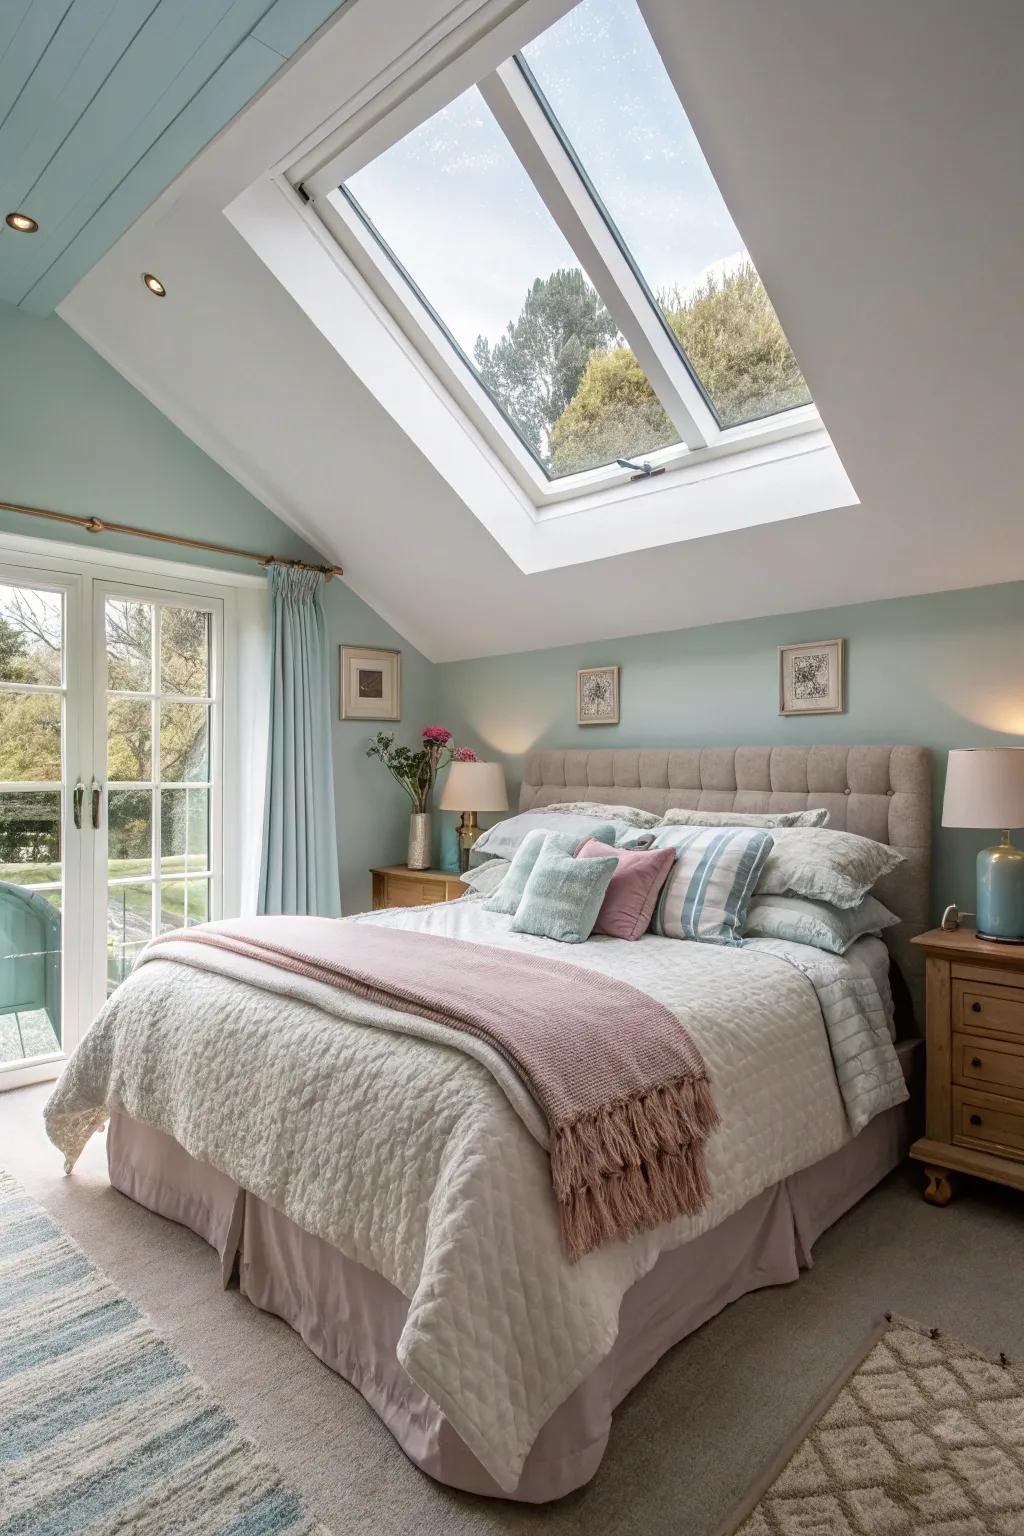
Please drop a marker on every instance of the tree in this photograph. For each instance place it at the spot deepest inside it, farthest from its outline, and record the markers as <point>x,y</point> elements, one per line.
<point>736,346</point>
<point>12,648</point>
<point>612,411</point>
<point>738,349</point>
<point>536,367</point>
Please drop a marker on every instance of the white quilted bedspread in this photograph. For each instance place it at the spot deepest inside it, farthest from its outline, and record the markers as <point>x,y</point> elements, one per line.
<point>408,1156</point>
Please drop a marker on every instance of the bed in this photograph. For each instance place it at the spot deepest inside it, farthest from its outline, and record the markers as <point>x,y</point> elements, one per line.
<point>379,1191</point>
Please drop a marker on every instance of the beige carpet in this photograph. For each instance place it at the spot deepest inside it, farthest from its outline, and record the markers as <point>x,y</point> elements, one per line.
<point>925,1438</point>
<point>686,1445</point>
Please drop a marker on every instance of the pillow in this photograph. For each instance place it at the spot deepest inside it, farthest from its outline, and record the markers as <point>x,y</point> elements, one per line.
<point>509,893</point>
<point>563,896</point>
<point>629,900</point>
<point>711,882</point>
<point>681,818</point>
<point>815,922</point>
<point>502,840</point>
<point>627,813</point>
<point>485,879</point>
<point>837,867</point>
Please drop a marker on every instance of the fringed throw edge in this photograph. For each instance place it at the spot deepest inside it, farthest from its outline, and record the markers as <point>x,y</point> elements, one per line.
<point>633,1164</point>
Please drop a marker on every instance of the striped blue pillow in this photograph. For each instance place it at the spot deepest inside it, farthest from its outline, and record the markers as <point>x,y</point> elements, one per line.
<point>709,887</point>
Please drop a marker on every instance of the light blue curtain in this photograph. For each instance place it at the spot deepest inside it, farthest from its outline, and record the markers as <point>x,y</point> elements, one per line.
<point>299,864</point>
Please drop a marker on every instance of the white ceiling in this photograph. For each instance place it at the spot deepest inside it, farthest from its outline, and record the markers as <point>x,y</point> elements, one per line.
<point>870,154</point>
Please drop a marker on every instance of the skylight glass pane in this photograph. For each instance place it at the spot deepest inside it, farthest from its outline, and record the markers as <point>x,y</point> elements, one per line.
<point>457,212</point>
<point>606,87</point>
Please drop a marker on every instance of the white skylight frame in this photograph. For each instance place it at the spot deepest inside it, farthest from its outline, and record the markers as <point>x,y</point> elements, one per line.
<point>578,214</point>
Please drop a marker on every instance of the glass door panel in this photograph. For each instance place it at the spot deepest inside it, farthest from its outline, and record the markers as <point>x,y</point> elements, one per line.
<point>33,705</point>
<point>162,785</point>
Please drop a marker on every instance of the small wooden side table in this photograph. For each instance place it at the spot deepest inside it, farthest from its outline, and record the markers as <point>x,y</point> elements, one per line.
<point>395,885</point>
<point>975,1065</point>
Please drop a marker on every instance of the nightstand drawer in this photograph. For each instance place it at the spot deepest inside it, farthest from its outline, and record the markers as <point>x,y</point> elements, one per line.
<point>988,1064</point>
<point>984,1120</point>
<point>407,891</point>
<point>394,885</point>
<point>981,1008</point>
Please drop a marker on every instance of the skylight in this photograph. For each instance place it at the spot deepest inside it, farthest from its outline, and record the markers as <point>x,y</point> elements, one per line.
<point>469,233</point>
<point>609,96</point>
<point>555,243</point>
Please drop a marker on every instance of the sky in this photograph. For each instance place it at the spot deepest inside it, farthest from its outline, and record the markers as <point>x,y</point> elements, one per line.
<point>453,202</point>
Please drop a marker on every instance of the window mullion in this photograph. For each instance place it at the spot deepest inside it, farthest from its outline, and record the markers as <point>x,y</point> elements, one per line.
<point>568,200</point>
<point>156,716</point>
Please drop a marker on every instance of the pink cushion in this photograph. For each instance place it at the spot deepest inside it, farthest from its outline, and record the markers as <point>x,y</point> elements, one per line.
<point>629,901</point>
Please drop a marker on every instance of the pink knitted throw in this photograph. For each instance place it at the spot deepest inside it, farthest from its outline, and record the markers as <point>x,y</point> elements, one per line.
<point>623,1087</point>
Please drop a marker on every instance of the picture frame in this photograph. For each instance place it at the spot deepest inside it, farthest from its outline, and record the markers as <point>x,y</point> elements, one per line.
<point>811,678</point>
<point>371,683</point>
<point>597,696</point>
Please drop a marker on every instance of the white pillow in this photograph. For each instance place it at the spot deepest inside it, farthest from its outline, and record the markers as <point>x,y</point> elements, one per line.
<point>837,867</point>
<point>485,879</point>
<point>502,840</point>
<point>683,818</point>
<point>800,921</point>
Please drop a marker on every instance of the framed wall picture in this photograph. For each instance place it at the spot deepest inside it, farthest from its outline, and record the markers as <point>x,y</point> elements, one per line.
<point>597,696</point>
<point>811,678</point>
<point>371,684</point>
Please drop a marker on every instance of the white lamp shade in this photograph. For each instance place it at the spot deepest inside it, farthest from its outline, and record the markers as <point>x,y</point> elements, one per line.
<point>984,788</point>
<point>474,787</point>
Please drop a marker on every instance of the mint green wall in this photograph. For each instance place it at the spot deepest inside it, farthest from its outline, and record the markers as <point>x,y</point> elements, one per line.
<point>75,437</point>
<point>943,671</point>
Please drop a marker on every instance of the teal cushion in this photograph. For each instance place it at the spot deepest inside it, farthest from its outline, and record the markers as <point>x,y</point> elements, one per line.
<point>509,894</point>
<point>563,895</point>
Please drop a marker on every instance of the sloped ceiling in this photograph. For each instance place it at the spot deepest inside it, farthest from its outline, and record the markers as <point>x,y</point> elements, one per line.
<point>871,156</point>
<point>103,102</point>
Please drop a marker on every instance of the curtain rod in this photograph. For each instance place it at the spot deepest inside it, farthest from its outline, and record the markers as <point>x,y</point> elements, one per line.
<point>98,525</point>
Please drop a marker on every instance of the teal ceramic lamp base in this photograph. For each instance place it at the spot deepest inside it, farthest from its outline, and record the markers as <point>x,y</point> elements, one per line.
<point>1000,914</point>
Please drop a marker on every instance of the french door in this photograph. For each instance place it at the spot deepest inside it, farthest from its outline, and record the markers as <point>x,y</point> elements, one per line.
<point>157,691</point>
<point>111,791</point>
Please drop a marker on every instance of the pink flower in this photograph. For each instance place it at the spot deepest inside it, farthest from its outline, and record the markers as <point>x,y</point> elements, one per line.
<point>437,733</point>
<point>464,755</point>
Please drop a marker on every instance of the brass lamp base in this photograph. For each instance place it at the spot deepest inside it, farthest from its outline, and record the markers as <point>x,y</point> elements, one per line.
<point>468,832</point>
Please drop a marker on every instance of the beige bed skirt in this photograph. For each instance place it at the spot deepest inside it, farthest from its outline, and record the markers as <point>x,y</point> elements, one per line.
<point>352,1318</point>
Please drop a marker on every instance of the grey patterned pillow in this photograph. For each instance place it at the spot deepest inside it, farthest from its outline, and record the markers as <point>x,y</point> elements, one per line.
<point>837,867</point>
<point>682,818</point>
<point>816,922</point>
<point>627,813</point>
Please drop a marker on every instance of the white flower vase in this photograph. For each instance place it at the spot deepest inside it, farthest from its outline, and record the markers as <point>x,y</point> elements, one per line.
<point>419,840</point>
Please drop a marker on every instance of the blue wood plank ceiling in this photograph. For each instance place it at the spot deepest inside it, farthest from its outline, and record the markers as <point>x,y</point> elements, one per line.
<point>104,102</point>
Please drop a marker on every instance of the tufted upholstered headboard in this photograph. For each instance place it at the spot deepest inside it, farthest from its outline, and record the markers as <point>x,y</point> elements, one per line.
<point>880,792</point>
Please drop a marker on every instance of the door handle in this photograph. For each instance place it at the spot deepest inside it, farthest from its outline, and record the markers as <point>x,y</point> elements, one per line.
<point>97,798</point>
<point>77,796</point>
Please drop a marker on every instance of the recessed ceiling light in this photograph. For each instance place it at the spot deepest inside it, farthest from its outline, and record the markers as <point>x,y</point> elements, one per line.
<point>154,285</point>
<point>22,222</point>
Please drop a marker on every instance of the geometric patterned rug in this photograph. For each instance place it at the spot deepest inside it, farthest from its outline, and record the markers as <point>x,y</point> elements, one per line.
<point>926,1436</point>
<point>104,1430</point>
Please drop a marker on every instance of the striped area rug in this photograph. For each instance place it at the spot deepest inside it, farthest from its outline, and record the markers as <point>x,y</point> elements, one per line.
<point>103,1429</point>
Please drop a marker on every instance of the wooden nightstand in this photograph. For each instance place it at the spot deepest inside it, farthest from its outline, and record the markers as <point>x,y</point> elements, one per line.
<point>398,886</point>
<point>975,1028</point>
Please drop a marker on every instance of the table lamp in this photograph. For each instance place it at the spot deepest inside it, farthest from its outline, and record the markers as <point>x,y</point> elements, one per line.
<point>985,788</point>
<point>472,787</point>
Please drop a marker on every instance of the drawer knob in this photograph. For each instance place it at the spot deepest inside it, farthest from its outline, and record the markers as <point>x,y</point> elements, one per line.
<point>975,1119</point>
<point>975,1007</point>
<point>975,1061</point>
